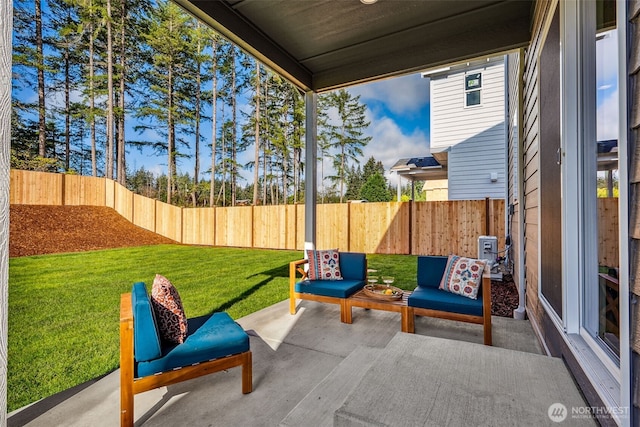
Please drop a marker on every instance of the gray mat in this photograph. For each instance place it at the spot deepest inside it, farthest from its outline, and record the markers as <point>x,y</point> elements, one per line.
<point>427,381</point>
<point>317,408</point>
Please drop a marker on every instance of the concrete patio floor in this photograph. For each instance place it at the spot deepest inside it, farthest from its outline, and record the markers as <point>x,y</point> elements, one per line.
<point>306,366</point>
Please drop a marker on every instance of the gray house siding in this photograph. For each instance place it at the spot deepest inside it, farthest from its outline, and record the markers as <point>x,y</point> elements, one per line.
<point>475,135</point>
<point>471,163</point>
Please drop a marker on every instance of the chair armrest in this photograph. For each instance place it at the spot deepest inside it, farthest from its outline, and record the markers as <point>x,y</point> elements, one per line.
<point>486,288</point>
<point>294,268</point>
<point>126,311</point>
<point>486,293</point>
<point>486,306</point>
<point>126,360</point>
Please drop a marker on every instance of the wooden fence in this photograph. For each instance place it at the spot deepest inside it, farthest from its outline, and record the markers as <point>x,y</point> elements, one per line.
<point>419,228</point>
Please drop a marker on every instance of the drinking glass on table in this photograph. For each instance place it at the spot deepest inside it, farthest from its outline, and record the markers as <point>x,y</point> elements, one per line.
<point>372,280</point>
<point>388,280</point>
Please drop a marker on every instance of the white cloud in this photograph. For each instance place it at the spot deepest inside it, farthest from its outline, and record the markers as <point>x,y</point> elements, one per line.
<point>607,118</point>
<point>389,143</point>
<point>401,95</point>
<point>607,59</point>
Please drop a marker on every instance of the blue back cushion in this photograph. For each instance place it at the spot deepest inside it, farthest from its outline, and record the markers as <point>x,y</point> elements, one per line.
<point>430,270</point>
<point>146,341</point>
<point>353,265</point>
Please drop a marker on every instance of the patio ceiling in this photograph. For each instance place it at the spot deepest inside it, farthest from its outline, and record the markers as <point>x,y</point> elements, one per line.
<point>321,45</point>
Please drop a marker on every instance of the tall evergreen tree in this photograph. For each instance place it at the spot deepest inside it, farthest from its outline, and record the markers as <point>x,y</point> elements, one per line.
<point>42,112</point>
<point>65,63</point>
<point>215,43</point>
<point>256,130</point>
<point>375,189</point>
<point>345,134</point>
<point>354,183</point>
<point>28,58</point>
<point>166,105</point>
<point>372,167</point>
<point>200,36</point>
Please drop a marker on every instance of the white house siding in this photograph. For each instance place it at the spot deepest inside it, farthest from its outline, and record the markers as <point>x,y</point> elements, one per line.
<point>514,128</point>
<point>475,134</point>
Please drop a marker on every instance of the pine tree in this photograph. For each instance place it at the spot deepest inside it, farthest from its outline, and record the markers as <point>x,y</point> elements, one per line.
<point>375,189</point>
<point>355,181</point>
<point>346,134</point>
<point>200,35</point>
<point>372,167</point>
<point>166,105</point>
<point>64,64</point>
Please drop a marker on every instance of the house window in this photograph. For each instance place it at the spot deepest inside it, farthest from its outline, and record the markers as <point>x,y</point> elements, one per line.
<point>472,88</point>
<point>600,208</point>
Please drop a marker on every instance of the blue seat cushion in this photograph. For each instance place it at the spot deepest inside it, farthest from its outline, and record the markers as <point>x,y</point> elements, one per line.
<point>353,265</point>
<point>209,338</point>
<point>330,288</point>
<point>430,270</point>
<point>146,341</point>
<point>436,299</point>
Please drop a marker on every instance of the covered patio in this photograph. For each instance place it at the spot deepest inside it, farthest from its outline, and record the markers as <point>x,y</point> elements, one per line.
<point>312,370</point>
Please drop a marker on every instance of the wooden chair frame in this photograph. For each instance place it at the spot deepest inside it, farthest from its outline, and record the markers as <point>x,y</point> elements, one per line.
<point>296,267</point>
<point>484,320</point>
<point>130,386</point>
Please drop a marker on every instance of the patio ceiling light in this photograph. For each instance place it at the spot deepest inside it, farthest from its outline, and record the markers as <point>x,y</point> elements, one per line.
<point>368,1</point>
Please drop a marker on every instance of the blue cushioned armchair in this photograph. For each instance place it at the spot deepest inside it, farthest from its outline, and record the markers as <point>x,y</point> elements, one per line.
<point>428,300</point>
<point>353,267</point>
<point>214,343</point>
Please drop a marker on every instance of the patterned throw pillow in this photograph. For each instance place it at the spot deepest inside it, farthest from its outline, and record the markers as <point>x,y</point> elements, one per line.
<point>324,265</point>
<point>463,276</point>
<point>172,322</point>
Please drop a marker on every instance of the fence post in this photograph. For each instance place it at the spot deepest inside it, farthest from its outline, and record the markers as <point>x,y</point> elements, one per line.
<point>63,185</point>
<point>253,223</point>
<point>348,226</point>
<point>410,227</point>
<point>487,217</point>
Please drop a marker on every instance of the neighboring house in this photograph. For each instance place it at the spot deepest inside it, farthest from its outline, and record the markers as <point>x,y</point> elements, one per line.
<point>436,190</point>
<point>424,168</point>
<point>467,110</point>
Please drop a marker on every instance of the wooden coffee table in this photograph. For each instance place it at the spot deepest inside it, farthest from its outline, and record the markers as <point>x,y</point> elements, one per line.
<point>362,300</point>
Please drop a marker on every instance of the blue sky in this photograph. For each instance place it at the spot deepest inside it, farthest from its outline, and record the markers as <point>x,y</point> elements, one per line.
<point>606,80</point>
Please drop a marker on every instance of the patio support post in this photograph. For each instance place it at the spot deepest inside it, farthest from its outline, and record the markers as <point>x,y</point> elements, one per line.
<point>310,171</point>
<point>6,29</point>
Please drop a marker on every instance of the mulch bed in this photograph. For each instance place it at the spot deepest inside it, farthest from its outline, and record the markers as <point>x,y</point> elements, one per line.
<point>504,297</point>
<point>36,230</point>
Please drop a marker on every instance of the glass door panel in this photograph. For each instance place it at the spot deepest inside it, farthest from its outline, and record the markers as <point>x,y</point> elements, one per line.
<point>601,193</point>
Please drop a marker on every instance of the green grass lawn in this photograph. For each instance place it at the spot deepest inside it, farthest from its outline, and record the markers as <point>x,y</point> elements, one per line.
<point>64,309</point>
